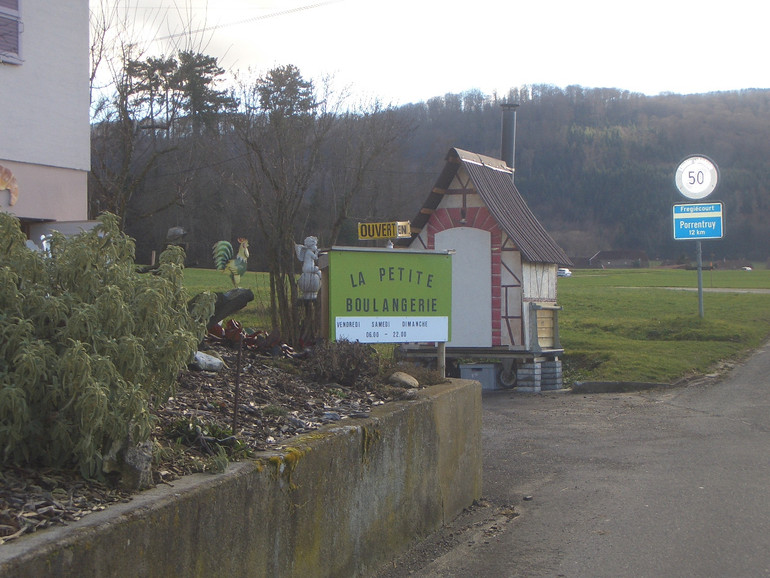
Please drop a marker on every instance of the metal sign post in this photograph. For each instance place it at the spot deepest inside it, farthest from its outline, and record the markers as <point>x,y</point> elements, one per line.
<point>699,259</point>
<point>696,178</point>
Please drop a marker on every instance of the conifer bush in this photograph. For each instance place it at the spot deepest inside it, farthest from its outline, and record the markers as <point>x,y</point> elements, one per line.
<point>87,344</point>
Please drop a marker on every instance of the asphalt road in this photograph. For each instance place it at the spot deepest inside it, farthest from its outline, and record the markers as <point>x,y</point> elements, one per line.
<point>660,483</point>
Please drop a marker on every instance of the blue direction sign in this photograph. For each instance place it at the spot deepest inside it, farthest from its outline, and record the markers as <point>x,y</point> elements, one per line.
<point>698,221</point>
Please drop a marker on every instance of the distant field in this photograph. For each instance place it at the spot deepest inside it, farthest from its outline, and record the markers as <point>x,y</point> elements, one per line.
<point>619,324</point>
<point>625,324</point>
<point>757,279</point>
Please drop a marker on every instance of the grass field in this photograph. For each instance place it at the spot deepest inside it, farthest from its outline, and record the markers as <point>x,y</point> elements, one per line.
<point>257,314</point>
<point>630,325</point>
<point>619,324</point>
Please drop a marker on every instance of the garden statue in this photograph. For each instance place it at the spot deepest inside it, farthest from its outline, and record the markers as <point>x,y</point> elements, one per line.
<point>310,280</point>
<point>223,259</point>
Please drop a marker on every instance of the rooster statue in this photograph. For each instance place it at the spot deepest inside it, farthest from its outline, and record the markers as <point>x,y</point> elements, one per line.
<point>222,251</point>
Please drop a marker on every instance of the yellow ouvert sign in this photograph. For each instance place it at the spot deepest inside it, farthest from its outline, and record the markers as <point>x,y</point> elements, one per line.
<point>391,230</point>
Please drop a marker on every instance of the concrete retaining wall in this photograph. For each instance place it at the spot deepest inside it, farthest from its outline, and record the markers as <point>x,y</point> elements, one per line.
<point>337,502</point>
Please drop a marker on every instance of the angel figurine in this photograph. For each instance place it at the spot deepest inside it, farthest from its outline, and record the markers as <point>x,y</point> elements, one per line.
<point>310,280</point>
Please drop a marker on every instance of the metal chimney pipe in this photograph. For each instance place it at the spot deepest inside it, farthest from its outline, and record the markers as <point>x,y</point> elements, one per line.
<point>508,149</point>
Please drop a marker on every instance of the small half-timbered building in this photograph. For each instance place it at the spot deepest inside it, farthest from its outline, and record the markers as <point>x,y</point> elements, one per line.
<point>504,270</point>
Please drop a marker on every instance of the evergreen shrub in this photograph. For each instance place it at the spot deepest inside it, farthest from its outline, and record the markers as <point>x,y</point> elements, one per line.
<point>87,344</point>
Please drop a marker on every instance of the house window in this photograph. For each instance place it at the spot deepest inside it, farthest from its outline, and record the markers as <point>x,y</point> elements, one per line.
<point>10,32</point>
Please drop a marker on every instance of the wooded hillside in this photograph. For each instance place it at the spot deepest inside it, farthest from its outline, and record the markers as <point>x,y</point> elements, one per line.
<point>595,165</point>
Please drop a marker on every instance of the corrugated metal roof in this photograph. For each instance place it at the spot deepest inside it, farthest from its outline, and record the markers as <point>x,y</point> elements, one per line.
<point>492,180</point>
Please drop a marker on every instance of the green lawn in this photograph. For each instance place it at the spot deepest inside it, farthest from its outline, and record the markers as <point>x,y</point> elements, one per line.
<point>615,324</point>
<point>256,315</point>
<point>626,325</point>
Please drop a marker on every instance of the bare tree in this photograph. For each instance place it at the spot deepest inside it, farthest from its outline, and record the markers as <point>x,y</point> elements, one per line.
<point>363,143</point>
<point>137,97</point>
<point>122,152</point>
<point>284,129</point>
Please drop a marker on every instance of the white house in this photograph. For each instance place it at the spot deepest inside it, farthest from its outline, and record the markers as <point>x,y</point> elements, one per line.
<point>44,113</point>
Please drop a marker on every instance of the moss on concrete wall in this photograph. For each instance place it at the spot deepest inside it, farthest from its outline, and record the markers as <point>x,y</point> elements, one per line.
<point>339,501</point>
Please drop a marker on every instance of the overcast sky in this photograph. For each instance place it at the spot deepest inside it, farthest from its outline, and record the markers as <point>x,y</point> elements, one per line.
<point>405,51</point>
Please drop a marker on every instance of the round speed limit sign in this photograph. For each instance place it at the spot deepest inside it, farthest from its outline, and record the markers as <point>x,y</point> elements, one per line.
<point>696,177</point>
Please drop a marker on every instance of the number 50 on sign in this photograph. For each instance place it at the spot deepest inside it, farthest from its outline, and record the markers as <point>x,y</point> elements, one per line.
<point>697,177</point>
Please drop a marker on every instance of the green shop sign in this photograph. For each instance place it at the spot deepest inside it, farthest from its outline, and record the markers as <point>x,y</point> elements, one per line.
<point>389,296</point>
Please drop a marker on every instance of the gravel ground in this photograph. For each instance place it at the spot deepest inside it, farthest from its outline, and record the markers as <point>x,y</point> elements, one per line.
<point>277,399</point>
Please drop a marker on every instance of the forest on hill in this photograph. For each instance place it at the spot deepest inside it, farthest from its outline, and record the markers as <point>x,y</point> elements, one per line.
<point>597,166</point>
<point>278,160</point>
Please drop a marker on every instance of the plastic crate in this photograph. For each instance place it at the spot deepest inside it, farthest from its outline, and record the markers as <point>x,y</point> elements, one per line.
<point>484,373</point>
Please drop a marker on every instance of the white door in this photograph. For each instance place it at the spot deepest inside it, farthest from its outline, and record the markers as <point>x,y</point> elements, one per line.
<point>471,285</point>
